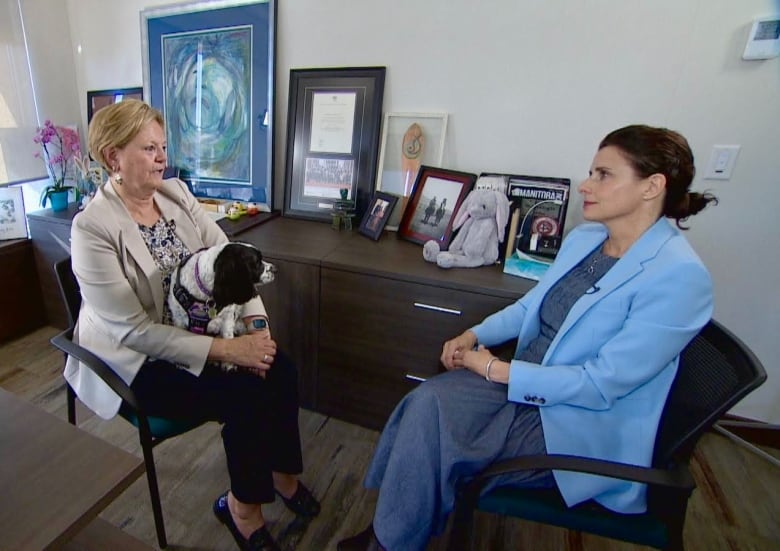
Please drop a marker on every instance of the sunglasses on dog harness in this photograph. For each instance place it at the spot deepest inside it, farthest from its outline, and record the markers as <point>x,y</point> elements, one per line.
<point>198,312</point>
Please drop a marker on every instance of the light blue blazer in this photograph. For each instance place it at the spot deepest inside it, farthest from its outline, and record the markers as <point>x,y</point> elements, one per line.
<point>602,385</point>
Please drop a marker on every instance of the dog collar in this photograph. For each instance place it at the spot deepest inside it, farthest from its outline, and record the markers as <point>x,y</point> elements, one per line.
<point>199,281</point>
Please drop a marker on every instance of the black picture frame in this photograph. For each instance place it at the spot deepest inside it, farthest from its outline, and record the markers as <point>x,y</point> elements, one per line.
<point>333,127</point>
<point>97,99</point>
<point>377,214</point>
<point>433,187</point>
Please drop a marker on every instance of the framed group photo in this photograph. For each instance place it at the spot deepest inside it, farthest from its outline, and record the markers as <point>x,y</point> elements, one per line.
<point>332,137</point>
<point>436,196</point>
<point>409,141</point>
<point>377,214</point>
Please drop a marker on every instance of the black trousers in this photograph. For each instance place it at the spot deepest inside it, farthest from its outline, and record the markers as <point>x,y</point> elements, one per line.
<point>259,417</point>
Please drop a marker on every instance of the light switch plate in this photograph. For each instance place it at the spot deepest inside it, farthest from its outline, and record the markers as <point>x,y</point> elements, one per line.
<point>722,162</point>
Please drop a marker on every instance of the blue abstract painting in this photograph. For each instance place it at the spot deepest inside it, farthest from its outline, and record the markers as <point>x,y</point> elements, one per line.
<point>207,82</point>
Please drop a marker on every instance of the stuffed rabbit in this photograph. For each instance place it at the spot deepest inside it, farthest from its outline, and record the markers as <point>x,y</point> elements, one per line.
<point>483,217</point>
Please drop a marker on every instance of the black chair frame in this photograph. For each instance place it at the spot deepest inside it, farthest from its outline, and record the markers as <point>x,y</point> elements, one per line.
<point>71,295</point>
<point>669,480</point>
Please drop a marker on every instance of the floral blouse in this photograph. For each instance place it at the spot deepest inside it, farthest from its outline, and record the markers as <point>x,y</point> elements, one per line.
<point>168,251</point>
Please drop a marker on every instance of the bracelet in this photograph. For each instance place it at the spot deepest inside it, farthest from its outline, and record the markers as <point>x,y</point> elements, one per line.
<point>487,368</point>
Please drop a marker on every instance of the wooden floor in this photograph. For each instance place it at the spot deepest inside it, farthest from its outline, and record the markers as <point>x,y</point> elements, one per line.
<point>736,505</point>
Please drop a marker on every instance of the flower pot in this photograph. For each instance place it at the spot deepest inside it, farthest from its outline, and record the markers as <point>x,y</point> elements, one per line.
<point>59,200</point>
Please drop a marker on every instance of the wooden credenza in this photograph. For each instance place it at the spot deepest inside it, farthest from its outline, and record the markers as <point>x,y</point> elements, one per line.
<point>369,323</point>
<point>50,234</point>
<point>20,301</point>
<point>363,320</point>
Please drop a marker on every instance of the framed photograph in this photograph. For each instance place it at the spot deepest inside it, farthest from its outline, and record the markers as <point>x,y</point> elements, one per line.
<point>332,139</point>
<point>12,217</point>
<point>436,196</point>
<point>97,99</point>
<point>377,214</point>
<point>409,140</point>
<point>209,67</point>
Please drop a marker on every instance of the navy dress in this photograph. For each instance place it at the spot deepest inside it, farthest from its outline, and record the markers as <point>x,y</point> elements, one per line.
<point>456,424</point>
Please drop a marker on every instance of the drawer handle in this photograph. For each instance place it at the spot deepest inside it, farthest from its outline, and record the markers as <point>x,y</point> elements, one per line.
<point>437,308</point>
<point>415,378</point>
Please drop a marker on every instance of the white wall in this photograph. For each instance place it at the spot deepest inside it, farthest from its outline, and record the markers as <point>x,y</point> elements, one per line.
<point>531,87</point>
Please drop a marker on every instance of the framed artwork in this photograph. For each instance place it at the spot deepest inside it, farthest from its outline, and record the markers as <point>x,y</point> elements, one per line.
<point>332,138</point>
<point>409,140</point>
<point>436,196</point>
<point>12,218</point>
<point>97,99</point>
<point>377,214</point>
<point>209,67</point>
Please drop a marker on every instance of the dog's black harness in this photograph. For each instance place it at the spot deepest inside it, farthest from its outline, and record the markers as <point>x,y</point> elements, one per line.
<point>198,312</point>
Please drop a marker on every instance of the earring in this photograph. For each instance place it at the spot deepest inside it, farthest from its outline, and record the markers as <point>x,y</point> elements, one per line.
<point>117,176</point>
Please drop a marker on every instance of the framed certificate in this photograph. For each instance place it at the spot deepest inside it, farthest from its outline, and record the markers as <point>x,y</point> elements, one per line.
<point>332,139</point>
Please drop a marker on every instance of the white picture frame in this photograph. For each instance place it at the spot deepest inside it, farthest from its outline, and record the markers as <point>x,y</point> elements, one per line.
<point>13,221</point>
<point>390,174</point>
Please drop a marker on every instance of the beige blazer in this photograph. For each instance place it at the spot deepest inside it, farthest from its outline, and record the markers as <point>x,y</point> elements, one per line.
<point>122,293</point>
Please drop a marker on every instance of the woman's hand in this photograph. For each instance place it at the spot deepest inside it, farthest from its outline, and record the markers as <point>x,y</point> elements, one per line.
<point>454,349</point>
<point>254,352</point>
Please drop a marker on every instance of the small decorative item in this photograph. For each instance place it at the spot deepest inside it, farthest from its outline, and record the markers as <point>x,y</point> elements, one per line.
<point>409,141</point>
<point>482,219</point>
<point>60,146</point>
<point>343,212</point>
<point>437,194</point>
<point>252,209</point>
<point>377,214</point>
<point>234,213</point>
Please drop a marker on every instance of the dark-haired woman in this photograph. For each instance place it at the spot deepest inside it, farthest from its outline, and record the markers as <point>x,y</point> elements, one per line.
<point>598,344</point>
<point>124,246</point>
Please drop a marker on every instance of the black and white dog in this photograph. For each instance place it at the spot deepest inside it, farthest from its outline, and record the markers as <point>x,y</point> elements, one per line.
<point>209,287</point>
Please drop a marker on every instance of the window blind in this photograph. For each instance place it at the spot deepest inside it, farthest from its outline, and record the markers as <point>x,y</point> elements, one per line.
<point>18,118</point>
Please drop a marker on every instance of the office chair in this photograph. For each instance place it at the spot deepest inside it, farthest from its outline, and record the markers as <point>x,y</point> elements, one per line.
<point>716,371</point>
<point>151,430</point>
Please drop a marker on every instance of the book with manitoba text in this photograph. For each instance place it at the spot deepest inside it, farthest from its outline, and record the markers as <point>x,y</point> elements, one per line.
<point>536,220</point>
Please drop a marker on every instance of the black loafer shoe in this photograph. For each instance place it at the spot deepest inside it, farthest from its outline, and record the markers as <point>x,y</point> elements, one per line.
<point>364,541</point>
<point>260,540</point>
<point>302,502</point>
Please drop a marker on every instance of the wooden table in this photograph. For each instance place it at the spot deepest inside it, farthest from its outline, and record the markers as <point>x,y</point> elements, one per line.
<point>55,478</point>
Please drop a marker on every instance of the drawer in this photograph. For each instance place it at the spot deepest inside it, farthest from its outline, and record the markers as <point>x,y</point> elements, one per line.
<point>379,337</point>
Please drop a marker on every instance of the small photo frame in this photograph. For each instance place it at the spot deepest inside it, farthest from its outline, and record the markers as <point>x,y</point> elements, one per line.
<point>377,214</point>
<point>12,217</point>
<point>409,141</point>
<point>436,196</point>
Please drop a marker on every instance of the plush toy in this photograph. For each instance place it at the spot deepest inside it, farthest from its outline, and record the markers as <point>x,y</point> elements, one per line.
<point>481,218</point>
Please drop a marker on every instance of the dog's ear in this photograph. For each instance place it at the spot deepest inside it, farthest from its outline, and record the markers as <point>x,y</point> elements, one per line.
<point>236,270</point>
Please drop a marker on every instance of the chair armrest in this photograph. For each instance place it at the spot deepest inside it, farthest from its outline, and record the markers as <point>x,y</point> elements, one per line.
<point>64,341</point>
<point>676,478</point>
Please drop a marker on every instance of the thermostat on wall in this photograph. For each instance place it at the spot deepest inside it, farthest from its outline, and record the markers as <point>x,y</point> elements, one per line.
<point>764,39</point>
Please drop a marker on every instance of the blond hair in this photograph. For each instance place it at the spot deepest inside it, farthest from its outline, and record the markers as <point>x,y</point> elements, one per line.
<point>116,125</point>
